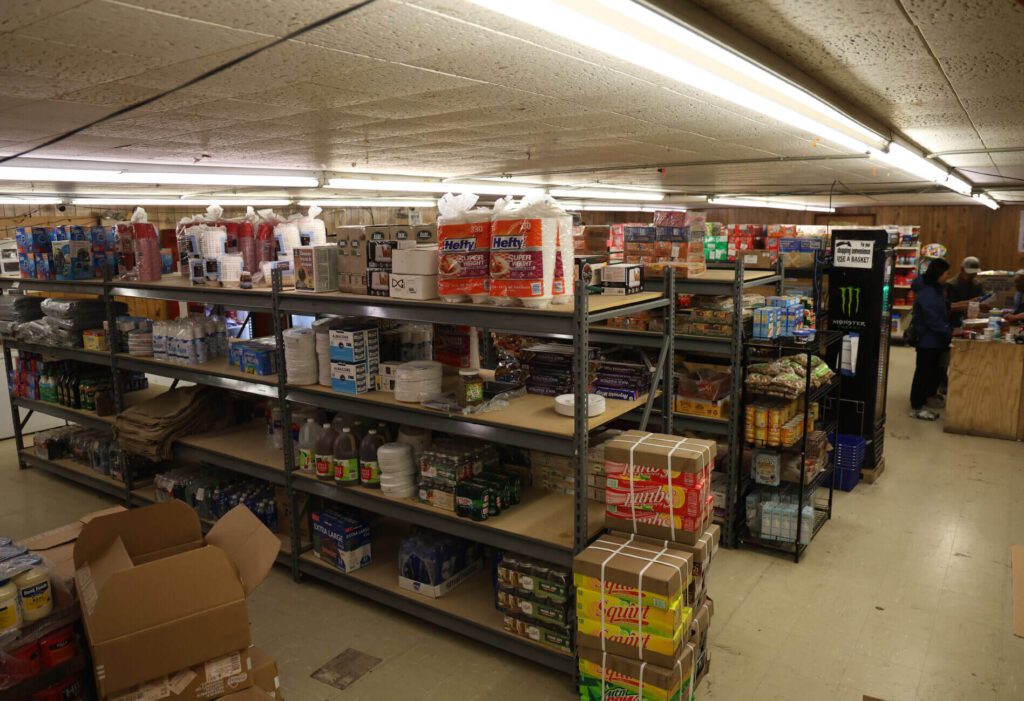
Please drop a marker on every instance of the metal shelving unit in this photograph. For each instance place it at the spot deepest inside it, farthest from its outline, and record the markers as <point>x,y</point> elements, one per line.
<point>547,526</point>
<point>827,343</point>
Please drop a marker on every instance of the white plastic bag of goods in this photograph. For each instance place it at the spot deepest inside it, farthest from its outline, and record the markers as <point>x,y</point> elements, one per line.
<point>463,249</point>
<point>312,230</point>
<point>562,290</point>
<point>524,248</point>
<point>288,238</point>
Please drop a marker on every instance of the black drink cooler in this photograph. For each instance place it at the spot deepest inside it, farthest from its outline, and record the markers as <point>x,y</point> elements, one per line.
<point>860,301</point>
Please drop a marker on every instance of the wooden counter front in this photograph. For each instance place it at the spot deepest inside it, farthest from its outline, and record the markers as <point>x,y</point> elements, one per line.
<point>986,389</point>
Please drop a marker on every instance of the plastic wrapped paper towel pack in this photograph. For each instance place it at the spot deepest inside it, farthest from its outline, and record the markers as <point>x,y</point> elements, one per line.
<point>524,250</point>
<point>562,290</point>
<point>463,247</point>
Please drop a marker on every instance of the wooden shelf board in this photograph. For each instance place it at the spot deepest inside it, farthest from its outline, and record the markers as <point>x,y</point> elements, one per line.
<point>72,466</point>
<point>246,442</point>
<point>532,412</point>
<point>543,516</point>
<point>598,302</point>
<point>217,366</point>
<point>472,601</point>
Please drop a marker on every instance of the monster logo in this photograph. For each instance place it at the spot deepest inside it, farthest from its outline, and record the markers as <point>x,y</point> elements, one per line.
<point>850,299</point>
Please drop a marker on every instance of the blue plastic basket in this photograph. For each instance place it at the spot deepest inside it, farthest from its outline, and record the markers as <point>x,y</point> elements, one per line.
<point>849,458</point>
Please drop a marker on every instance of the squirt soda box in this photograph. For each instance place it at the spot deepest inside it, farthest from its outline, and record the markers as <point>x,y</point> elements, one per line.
<point>632,598</point>
<point>606,676</point>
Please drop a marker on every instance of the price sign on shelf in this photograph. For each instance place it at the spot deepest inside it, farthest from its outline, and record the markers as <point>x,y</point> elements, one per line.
<point>853,253</point>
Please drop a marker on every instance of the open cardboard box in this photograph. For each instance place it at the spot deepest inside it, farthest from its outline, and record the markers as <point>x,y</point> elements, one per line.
<point>57,548</point>
<point>156,598</point>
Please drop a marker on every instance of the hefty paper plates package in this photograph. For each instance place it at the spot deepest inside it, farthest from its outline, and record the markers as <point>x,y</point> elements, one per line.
<point>524,251</point>
<point>463,249</point>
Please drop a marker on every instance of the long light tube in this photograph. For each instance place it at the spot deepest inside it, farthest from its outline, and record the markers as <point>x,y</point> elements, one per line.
<point>29,200</point>
<point>771,204</point>
<point>168,202</point>
<point>392,185</point>
<point>195,177</point>
<point>637,195</point>
<point>367,203</point>
<point>986,200</point>
<point>632,32</point>
<point>906,160</point>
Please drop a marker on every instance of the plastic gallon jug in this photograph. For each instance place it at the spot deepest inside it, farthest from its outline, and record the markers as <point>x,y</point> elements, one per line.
<point>324,463</point>
<point>308,435</point>
<point>346,457</point>
<point>369,468</point>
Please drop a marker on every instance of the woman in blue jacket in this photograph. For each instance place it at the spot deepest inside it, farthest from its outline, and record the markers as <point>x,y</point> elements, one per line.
<point>934,332</point>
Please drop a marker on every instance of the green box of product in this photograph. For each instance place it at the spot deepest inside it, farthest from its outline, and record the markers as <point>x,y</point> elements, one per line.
<point>716,249</point>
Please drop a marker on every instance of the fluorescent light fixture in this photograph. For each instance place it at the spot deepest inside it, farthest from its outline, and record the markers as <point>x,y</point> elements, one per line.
<point>906,160</point>
<point>201,178</point>
<point>638,195</point>
<point>173,177</point>
<point>632,32</point>
<point>168,202</point>
<point>986,200</point>
<point>368,203</point>
<point>28,199</point>
<point>771,204</point>
<point>431,186</point>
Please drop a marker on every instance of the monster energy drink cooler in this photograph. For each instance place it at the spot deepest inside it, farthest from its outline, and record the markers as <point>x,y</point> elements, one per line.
<point>860,302</point>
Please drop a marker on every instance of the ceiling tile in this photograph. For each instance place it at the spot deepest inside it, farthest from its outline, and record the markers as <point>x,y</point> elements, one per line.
<point>272,17</point>
<point>17,14</point>
<point>137,32</point>
<point>70,65</point>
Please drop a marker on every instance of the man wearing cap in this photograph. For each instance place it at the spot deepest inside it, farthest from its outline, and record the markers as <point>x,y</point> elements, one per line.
<point>964,289</point>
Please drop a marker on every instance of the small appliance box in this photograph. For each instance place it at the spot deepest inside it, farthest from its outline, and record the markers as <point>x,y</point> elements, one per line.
<point>421,260</point>
<point>425,233</point>
<point>624,279</point>
<point>351,378</point>
<point>353,343</point>
<point>413,286</point>
<point>378,283</point>
<point>157,598</point>
<point>316,268</point>
<point>72,260</point>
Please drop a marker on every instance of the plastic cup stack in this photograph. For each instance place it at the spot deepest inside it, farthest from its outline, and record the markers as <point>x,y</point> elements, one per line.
<point>418,438</point>
<point>300,356</point>
<point>397,470</point>
<point>417,380</point>
<point>230,269</point>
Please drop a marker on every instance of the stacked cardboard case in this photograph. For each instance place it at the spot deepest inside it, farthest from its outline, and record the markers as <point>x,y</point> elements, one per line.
<point>164,609</point>
<point>643,610</point>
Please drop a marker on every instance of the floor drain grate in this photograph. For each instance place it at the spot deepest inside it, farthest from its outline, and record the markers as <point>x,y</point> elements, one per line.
<point>346,668</point>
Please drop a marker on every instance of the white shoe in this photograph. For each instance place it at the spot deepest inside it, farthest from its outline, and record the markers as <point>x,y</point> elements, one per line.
<point>923,414</point>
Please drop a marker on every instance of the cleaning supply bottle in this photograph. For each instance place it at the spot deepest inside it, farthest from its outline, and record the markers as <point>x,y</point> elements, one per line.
<point>325,454</point>
<point>308,435</point>
<point>346,457</point>
<point>369,468</point>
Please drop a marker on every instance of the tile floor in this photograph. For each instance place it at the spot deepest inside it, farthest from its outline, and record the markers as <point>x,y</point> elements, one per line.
<point>904,595</point>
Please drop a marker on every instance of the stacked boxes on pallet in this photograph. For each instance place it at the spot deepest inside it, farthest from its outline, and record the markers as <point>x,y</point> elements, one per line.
<point>643,612</point>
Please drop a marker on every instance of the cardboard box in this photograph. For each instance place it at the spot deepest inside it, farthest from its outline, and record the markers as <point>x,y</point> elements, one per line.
<point>203,682</point>
<point>652,454</point>
<point>57,546</point>
<point>316,268</point>
<point>405,286</point>
<point>705,408</point>
<point>668,681</point>
<point>156,598</point>
<point>425,233</point>
<point>351,378</point>
<point>264,673</point>
<point>624,279</point>
<point>378,283</point>
<point>421,260</point>
<point>758,260</point>
<point>253,693</point>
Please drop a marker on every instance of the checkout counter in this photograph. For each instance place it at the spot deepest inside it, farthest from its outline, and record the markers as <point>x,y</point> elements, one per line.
<point>986,389</point>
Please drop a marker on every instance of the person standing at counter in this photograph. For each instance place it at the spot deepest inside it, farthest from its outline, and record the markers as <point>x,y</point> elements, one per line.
<point>1017,314</point>
<point>963,290</point>
<point>934,333</point>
